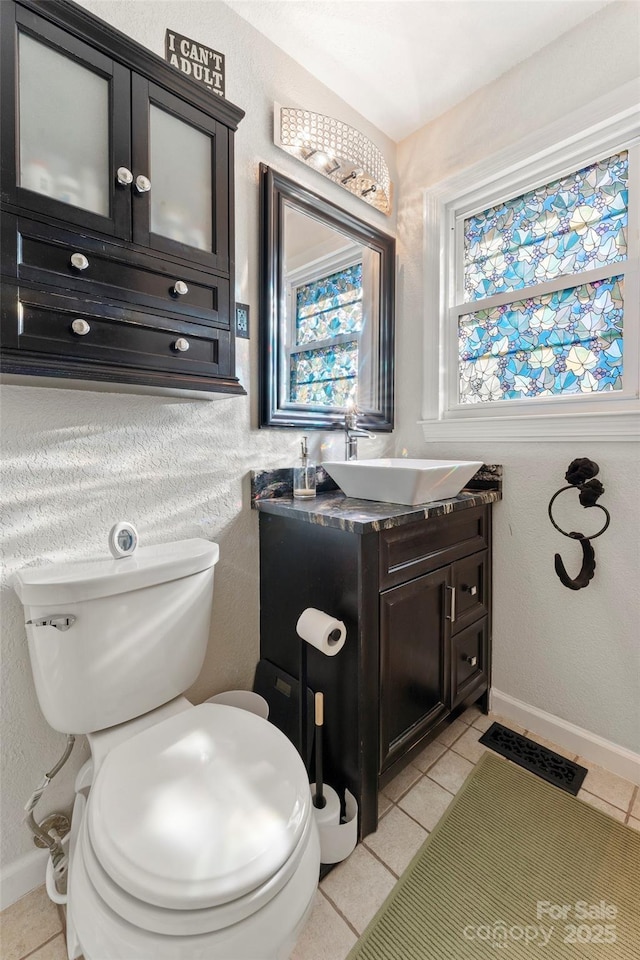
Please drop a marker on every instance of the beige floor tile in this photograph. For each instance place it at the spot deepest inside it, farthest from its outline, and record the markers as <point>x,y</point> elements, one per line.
<point>498,718</point>
<point>635,809</point>
<point>384,804</point>
<point>601,804</point>
<point>484,721</point>
<point>27,924</point>
<point>396,840</point>
<point>429,755</point>
<point>400,784</point>
<point>634,823</point>
<point>326,936</point>
<point>471,714</point>
<point>607,786</point>
<point>426,802</point>
<point>451,771</point>
<point>451,733</point>
<point>468,745</point>
<point>55,949</point>
<point>358,887</point>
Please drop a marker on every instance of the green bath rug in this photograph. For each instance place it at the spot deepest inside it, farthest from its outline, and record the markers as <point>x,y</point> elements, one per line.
<point>516,869</point>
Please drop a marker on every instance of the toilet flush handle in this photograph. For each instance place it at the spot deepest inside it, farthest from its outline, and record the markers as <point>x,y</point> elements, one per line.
<point>61,621</point>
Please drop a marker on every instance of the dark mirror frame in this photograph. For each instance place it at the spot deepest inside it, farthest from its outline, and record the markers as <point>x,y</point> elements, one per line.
<point>275,190</point>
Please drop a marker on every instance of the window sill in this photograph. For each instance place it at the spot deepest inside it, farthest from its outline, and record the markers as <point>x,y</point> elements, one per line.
<point>611,426</point>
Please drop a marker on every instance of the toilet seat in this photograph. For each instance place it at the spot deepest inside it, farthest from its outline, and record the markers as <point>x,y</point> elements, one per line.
<point>198,819</point>
<point>159,920</point>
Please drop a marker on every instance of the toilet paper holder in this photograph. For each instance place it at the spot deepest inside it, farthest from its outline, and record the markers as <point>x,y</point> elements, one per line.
<point>338,833</point>
<point>328,635</point>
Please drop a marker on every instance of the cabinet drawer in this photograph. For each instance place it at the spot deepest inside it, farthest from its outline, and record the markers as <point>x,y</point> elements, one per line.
<point>468,660</point>
<point>43,254</point>
<point>416,548</point>
<point>471,583</point>
<point>117,336</point>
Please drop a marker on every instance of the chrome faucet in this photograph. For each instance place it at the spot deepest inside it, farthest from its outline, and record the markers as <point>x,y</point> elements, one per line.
<point>351,433</point>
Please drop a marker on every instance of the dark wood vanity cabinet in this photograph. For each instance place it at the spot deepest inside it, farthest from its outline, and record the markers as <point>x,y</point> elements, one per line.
<point>117,208</point>
<point>415,599</point>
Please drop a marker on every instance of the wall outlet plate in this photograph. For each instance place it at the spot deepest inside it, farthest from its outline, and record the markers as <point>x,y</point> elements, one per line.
<point>242,320</point>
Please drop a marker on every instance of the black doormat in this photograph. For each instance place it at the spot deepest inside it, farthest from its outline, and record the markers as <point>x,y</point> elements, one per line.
<point>532,756</point>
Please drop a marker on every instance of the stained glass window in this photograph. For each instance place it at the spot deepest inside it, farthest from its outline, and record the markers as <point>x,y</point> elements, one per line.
<point>327,375</point>
<point>518,339</point>
<point>574,224</point>
<point>328,307</point>
<point>328,322</point>
<point>566,342</point>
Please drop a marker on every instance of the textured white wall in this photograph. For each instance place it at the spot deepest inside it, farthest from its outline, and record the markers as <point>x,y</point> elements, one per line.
<point>575,655</point>
<point>77,461</point>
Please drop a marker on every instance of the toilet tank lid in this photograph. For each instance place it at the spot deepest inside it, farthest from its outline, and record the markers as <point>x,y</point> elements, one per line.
<point>91,579</point>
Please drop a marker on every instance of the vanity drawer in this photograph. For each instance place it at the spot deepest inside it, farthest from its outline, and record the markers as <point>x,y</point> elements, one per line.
<point>471,583</point>
<point>44,255</point>
<point>468,660</point>
<point>416,548</point>
<point>115,336</point>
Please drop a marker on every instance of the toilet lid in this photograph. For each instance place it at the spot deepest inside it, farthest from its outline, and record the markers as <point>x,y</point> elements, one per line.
<point>200,809</point>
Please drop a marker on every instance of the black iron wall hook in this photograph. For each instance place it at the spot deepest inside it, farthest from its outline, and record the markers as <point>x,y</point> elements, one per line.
<point>580,476</point>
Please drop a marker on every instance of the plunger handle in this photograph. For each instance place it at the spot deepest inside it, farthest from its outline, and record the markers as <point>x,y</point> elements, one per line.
<point>319,800</point>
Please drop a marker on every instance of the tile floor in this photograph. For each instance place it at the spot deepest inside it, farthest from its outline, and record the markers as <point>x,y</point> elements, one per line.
<point>410,806</point>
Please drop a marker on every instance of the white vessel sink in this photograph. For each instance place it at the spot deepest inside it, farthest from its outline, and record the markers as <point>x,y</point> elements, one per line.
<point>402,481</point>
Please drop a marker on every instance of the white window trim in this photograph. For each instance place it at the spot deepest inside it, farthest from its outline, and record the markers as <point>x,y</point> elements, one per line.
<point>600,128</point>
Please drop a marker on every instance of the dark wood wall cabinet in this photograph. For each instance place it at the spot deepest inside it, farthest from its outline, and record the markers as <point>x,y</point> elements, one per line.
<point>416,602</point>
<point>117,208</point>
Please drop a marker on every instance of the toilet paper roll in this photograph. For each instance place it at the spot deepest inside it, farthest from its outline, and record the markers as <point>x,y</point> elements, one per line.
<point>323,632</point>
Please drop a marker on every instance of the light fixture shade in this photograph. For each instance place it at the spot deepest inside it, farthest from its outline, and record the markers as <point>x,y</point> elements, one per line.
<point>337,151</point>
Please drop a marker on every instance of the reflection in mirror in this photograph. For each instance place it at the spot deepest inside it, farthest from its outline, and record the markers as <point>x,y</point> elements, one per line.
<point>327,297</point>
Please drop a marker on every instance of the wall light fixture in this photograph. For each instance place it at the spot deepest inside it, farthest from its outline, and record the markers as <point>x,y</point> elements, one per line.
<point>335,150</point>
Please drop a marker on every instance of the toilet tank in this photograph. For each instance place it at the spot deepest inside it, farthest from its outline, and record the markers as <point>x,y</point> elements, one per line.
<point>139,635</point>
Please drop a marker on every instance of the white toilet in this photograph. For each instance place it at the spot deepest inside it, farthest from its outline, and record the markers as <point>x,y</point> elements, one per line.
<point>193,833</point>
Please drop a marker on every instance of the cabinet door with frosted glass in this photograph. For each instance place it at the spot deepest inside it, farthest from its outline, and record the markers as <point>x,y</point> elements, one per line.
<point>66,130</point>
<point>180,166</point>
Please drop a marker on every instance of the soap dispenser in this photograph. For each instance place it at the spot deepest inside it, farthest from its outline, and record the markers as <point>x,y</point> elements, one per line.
<point>304,475</point>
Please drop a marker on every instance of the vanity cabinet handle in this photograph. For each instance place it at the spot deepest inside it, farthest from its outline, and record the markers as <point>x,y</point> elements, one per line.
<point>472,591</point>
<point>181,345</point>
<point>79,261</point>
<point>452,608</point>
<point>143,184</point>
<point>81,327</point>
<point>124,176</point>
<point>472,661</point>
<point>180,288</point>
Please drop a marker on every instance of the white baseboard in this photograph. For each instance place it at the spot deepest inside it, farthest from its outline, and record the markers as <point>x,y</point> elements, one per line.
<point>625,763</point>
<point>22,876</point>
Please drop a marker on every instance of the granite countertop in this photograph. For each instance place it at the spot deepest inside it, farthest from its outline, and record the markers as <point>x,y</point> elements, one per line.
<point>332,509</point>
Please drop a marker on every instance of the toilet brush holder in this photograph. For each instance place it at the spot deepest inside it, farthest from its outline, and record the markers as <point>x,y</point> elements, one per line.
<point>337,839</point>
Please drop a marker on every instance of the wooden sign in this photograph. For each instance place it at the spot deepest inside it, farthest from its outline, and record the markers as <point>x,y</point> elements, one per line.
<point>200,63</point>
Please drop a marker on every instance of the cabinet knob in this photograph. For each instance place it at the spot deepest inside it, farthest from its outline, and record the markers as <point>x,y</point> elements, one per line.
<point>143,184</point>
<point>472,661</point>
<point>81,327</point>
<point>79,261</point>
<point>181,345</point>
<point>180,288</point>
<point>124,176</point>
<point>470,590</point>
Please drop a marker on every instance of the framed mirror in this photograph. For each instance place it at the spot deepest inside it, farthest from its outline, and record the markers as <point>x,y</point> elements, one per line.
<point>326,312</point>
